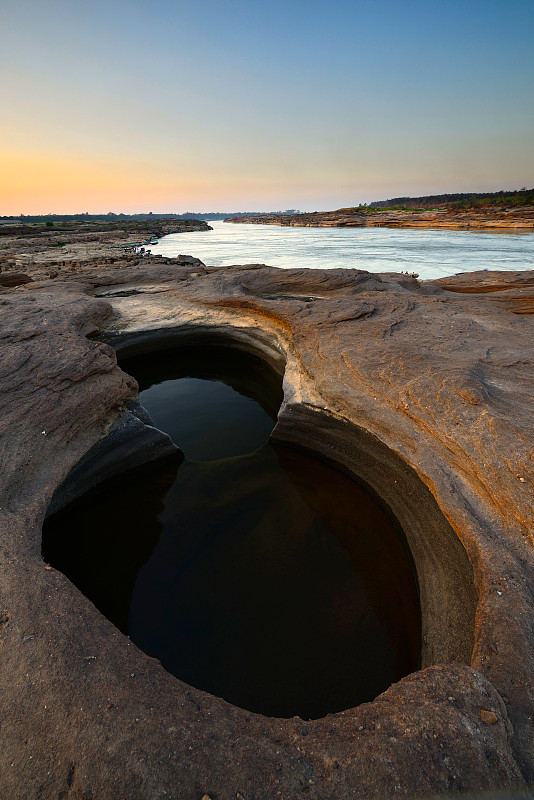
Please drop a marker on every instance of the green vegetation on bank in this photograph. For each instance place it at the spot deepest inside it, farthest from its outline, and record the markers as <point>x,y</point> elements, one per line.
<point>502,199</point>
<point>473,200</point>
<point>370,210</point>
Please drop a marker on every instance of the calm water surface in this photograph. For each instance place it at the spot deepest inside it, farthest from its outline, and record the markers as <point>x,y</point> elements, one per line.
<point>253,572</point>
<point>430,253</point>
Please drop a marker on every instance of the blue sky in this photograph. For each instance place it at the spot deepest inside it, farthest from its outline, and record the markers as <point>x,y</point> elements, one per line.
<point>174,106</point>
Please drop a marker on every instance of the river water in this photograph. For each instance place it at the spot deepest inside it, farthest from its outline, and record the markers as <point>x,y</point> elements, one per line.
<point>429,253</point>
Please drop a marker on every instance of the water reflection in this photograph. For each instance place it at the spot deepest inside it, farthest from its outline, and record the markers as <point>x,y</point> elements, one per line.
<point>269,579</point>
<point>213,402</point>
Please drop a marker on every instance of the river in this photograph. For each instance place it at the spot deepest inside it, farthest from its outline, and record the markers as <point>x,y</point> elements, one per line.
<point>428,252</point>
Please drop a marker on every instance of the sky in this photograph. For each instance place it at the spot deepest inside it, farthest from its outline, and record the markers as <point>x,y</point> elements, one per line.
<point>168,106</point>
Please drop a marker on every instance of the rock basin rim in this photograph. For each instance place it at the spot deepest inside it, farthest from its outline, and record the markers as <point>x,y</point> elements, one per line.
<point>420,389</point>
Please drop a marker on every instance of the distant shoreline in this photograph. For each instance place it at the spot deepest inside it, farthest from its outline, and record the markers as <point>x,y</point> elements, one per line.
<point>33,247</point>
<point>449,219</point>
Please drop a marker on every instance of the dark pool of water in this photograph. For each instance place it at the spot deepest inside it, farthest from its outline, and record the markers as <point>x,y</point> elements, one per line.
<point>213,402</point>
<point>259,574</point>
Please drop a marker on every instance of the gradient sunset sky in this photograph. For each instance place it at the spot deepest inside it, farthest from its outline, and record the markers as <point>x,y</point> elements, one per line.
<point>132,106</point>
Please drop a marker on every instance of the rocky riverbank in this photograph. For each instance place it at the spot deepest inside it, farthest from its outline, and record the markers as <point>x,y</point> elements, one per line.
<point>503,219</point>
<point>44,249</point>
<point>423,390</point>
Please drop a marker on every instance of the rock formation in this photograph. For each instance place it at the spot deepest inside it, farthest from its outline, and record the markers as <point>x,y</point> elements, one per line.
<point>423,390</point>
<point>511,218</point>
<point>73,243</point>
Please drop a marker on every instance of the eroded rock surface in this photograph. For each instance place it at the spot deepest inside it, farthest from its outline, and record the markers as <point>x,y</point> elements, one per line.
<point>423,389</point>
<point>449,218</point>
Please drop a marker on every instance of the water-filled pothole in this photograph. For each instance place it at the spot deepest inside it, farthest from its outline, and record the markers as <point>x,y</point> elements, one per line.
<point>256,573</point>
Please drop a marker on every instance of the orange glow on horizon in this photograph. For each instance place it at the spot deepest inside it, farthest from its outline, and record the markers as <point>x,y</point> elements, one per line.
<point>61,184</point>
<point>54,184</point>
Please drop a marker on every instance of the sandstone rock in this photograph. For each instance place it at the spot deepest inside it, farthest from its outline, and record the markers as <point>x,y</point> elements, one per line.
<point>188,260</point>
<point>522,218</point>
<point>14,279</point>
<point>489,717</point>
<point>424,390</point>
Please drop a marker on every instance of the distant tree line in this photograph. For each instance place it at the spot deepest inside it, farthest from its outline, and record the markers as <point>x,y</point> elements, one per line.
<point>111,217</point>
<point>503,198</point>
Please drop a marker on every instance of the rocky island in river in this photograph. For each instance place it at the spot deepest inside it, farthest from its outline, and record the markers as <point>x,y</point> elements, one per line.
<point>510,219</point>
<point>422,390</point>
<point>497,210</point>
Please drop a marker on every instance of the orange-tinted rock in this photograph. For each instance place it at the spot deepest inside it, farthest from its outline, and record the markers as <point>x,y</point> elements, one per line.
<point>489,717</point>
<point>422,390</point>
<point>436,218</point>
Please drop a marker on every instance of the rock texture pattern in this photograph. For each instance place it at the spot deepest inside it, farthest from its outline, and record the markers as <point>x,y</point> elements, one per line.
<point>70,244</point>
<point>431,218</point>
<point>424,390</point>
